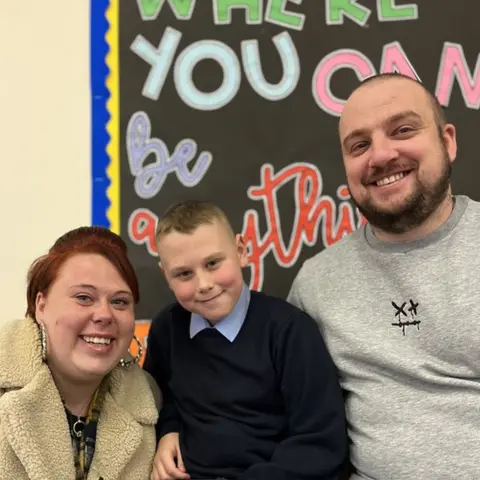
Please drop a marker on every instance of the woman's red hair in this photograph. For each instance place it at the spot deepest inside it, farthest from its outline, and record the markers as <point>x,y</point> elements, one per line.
<point>98,240</point>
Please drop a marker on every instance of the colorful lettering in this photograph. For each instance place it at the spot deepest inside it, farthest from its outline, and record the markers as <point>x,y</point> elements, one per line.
<point>312,209</point>
<point>388,11</point>
<point>149,179</point>
<point>222,11</point>
<point>454,65</point>
<point>142,224</point>
<point>160,59</point>
<point>278,15</point>
<point>337,10</point>
<point>190,57</point>
<point>182,9</point>
<point>394,59</point>
<point>252,66</point>
<point>343,58</point>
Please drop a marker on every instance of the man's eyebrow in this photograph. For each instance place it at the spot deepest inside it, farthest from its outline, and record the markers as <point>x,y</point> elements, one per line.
<point>404,115</point>
<point>393,119</point>
<point>355,133</point>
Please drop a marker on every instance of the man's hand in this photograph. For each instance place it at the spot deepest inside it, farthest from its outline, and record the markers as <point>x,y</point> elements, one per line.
<point>168,463</point>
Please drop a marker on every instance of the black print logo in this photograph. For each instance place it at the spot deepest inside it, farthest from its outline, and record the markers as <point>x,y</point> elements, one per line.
<point>402,317</point>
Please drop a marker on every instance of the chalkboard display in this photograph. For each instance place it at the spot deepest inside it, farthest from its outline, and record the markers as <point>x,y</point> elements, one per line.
<point>238,102</point>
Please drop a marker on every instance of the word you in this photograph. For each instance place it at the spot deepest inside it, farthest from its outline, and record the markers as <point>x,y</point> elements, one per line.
<point>453,66</point>
<point>161,57</point>
<point>276,11</point>
<point>149,178</point>
<point>314,213</point>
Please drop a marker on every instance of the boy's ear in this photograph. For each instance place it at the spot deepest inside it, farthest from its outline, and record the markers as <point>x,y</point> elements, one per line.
<point>241,250</point>
<point>162,269</point>
<point>160,266</point>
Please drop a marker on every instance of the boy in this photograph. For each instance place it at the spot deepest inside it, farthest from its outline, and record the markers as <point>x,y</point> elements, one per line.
<point>250,392</point>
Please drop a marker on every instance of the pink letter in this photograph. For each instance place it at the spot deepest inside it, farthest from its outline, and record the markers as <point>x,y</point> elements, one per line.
<point>342,58</point>
<point>454,64</point>
<point>394,59</point>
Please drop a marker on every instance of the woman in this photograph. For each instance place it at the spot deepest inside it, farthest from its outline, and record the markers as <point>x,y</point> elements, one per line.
<point>73,402</point>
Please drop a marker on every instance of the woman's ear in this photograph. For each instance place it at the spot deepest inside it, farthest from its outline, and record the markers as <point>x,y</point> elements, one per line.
<point>40,303</point>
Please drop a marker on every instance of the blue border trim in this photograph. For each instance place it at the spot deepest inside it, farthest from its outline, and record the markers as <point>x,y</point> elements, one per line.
<point>99,113</point>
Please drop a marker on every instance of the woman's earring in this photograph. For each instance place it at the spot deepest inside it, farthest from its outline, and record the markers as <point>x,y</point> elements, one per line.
<point>128,363</point>
<point>43,336</point>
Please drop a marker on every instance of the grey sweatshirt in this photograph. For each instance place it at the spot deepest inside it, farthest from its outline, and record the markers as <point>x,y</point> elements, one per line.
<point>402,322</point>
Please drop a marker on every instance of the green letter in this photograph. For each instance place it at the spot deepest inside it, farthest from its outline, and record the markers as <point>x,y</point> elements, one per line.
<point>387,11</point>
<point>337,9</point>
<point>149,9</point>
<point>277,14</point>
<point>222,11</point>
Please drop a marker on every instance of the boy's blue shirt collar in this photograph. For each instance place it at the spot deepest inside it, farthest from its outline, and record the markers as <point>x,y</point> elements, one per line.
<point>230,326</point>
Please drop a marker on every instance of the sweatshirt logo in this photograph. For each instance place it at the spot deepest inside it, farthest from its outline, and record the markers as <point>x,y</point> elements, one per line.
<point>404,319</point>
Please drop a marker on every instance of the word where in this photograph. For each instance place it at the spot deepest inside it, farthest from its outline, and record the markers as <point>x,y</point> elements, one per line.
<point>276,11</point>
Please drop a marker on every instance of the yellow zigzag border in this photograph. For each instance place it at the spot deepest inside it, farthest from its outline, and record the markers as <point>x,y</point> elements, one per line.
<point>113,125</point>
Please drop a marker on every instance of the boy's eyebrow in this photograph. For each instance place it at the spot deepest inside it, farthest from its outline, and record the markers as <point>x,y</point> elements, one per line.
<point>182,268</point>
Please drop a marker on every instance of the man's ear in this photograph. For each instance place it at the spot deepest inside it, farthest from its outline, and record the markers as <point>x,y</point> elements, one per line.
<point>450,141</point>
<point>241,250</point>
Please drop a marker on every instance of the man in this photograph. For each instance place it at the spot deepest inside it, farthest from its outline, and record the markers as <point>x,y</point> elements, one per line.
<point>398,301</point>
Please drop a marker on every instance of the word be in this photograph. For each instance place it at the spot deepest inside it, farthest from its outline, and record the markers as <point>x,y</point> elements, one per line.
<point>149,179</point>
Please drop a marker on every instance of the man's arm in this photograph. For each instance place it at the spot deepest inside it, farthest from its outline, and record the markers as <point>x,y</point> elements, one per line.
<point>157,364</point>
<point>316,445</point>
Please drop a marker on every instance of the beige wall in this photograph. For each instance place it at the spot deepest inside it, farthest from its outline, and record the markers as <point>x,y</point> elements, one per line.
<point>44,133</point>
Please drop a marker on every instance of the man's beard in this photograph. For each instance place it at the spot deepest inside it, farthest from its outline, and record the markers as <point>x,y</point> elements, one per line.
<point>415,209</point>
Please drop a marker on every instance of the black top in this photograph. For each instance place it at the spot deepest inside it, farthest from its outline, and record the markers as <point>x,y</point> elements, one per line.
<point>267,406</point>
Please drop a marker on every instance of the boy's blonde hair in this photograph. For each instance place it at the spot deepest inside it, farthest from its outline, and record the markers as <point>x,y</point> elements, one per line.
<point>186,217</point>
